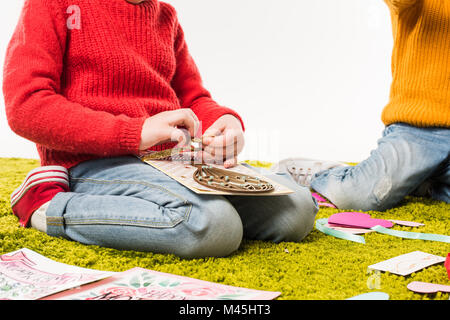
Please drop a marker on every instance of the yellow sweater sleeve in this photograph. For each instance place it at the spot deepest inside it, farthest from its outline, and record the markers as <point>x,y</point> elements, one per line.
<point>398,5</point>
<point>420,89</point>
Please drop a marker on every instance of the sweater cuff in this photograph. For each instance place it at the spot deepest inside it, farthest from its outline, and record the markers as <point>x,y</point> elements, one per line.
<point>129,137</point>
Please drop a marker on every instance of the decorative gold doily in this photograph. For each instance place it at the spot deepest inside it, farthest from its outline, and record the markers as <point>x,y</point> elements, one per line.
<point>227,180</point>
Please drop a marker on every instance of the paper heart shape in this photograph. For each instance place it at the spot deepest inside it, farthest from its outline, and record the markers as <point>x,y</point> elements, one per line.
<point>358,220</point>
<point>425,287</point>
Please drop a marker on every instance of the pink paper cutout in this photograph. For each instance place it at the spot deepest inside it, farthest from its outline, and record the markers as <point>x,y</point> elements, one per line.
<point>326,204</point>
<point>357,219</point>
<point>318,197</point>
<point>447,265</point>
<point>425,287</point>
<point>322,201</point>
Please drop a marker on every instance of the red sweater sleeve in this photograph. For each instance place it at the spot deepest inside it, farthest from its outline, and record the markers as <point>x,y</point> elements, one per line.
<point>187,83</point>
<point>35,108</point>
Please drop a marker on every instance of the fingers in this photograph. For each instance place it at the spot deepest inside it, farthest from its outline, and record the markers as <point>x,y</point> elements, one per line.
<point>226,146</point>
<point>229,163</point>
<point>219,139</point>
<point>185,118</point>
<point>204,157</point>
<point>211,133</point>
<point>224,152</point>
<point>177,125</point>
<point>220,143</point>
<point>180,136</point>
<point>227,159</point>
<point>196,124</point>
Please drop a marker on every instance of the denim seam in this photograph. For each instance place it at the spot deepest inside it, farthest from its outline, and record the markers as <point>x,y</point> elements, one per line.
<point>142,223</point>
<point>128,182</point>
<point>138,223</point>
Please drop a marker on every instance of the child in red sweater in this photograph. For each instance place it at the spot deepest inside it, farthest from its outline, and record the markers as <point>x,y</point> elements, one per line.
<point>93,85</point>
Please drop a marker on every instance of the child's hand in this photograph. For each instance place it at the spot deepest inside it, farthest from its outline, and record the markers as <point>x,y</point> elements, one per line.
<point>223,141</point>
<point>164,127</point>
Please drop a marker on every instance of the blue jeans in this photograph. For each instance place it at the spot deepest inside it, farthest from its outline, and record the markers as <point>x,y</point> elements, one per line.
<point>408,161</point>
<point>126,204</point>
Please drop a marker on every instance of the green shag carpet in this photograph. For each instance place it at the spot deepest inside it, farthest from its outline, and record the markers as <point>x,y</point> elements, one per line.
<point>319,268</point>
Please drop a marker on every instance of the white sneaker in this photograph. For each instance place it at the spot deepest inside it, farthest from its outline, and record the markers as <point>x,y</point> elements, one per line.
<point>303,170</point>
<point>38,220</point>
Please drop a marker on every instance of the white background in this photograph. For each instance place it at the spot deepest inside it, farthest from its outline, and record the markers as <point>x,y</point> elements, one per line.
<point>309,77</point>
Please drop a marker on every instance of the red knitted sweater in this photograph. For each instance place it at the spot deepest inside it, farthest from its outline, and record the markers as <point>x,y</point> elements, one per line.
<point>79,81</point>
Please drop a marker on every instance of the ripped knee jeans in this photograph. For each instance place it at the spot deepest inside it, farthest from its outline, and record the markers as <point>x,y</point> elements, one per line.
<point>408,161</point>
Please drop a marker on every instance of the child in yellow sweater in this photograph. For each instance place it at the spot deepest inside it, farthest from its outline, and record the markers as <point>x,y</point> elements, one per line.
<point>413,156</point>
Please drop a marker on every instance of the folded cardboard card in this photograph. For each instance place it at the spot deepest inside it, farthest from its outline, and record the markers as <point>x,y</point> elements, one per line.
<point>184,174</point>
<point>408,263</point>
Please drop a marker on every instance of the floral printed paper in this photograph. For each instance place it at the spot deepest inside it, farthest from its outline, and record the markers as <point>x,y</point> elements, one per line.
<point>27,275</point>
<point>144,284</point>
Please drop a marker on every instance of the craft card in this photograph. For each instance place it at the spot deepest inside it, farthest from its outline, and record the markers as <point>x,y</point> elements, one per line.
<point>27,275</point>
<point>425,287</point>
<point>144,284</point>
<point>371,296</point>
<point>408,263</point>
<point>407,223</point>
<point>349,230</point>
<point>183,173</point>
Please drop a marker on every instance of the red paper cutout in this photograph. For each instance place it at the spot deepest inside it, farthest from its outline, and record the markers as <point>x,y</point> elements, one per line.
<point>447,265</point>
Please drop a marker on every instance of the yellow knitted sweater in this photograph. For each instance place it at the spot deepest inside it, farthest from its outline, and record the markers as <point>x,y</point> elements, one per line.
<point>420,91</point>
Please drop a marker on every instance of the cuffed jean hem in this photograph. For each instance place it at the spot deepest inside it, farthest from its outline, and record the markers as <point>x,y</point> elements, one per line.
<point>54,213</point>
